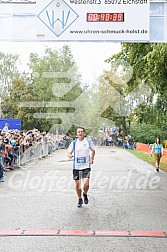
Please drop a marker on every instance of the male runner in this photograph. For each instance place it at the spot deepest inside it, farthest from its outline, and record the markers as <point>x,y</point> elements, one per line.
<point>80,149</point>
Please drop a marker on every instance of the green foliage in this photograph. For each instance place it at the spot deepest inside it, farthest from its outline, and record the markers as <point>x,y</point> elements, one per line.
<point>39,88</point>
<point>8,71</point>
<point>146,121</point>
<point>149,66</point>
<point>145,133</point>
<point>19,92</point>
<point>46,71</point>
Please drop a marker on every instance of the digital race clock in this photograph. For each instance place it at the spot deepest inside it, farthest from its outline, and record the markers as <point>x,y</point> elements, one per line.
<point>105,17</point>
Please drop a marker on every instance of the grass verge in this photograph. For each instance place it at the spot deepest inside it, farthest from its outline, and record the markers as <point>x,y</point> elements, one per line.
<point>147,158</point>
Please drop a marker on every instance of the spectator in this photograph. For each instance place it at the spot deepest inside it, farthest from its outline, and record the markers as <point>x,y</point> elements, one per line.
<point>130,142</point>
<point>8,153</point>
<point>157,150</point>
<point>6,127</point>
<point>1,162</point>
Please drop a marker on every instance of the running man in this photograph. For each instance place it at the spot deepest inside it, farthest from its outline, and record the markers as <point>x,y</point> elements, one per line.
<point>80,149</point>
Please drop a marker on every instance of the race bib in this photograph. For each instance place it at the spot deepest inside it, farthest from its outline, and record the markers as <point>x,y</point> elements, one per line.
<point>81,160</point>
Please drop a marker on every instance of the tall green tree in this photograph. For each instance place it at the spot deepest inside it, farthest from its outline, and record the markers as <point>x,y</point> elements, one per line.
<point>8,71</point>
<point>54,72</point>
<point>149,67</point>
<point>19,92</point>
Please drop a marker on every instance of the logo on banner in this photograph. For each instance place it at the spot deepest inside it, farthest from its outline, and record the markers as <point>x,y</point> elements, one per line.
<point>58,16</point>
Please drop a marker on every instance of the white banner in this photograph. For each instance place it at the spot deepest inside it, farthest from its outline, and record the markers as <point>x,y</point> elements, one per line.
<point>75,20</point>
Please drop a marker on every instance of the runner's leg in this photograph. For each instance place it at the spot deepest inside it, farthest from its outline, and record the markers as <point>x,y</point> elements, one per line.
<point>78,188</point>
<point>86,185</point>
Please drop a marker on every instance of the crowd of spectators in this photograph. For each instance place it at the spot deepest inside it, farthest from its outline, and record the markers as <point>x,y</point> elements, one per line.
<point>115,140</point>
<point>14,145</point>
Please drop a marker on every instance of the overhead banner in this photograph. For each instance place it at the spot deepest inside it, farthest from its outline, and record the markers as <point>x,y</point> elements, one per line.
<point>75,20</point>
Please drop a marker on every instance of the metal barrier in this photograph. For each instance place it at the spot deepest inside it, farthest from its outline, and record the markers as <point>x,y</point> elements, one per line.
<point>19,155</point>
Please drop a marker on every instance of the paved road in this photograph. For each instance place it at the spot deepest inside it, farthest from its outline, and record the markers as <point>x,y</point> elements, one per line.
<point>126,194</point>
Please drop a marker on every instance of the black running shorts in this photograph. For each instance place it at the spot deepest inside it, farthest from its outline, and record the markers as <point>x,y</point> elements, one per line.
<point>80,174</point>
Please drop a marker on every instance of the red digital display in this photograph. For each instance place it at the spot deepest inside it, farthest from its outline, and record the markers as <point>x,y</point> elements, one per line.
<point>105,17</point>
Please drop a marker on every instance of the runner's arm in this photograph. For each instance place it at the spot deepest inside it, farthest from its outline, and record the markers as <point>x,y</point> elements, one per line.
<point>93,154</point>
<point>91,161</point>
<point>152,150</point>
<point>70,155</point>
<point>162,150</point>
<point>70,151</point>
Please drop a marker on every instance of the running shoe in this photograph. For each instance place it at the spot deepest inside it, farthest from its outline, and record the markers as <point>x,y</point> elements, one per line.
<point>85,198</point>
<point>2,179</point>
<point>80,202</point>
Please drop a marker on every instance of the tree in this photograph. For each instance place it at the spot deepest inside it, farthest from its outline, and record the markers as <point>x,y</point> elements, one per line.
<point>8,71</point>
<point>55,79</point>
<point>19,92</point>
<point>148,62</point>
<point>145,133</point>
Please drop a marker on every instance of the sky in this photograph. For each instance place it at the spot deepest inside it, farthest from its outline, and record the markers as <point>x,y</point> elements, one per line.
<point>89,56</point>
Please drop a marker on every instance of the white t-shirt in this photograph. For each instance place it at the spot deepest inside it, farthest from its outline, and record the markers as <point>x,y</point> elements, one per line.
<point>81,153</point>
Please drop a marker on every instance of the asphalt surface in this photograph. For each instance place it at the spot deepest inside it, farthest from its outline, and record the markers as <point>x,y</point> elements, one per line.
<point>126,194</point>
